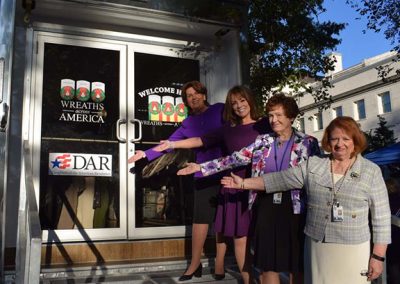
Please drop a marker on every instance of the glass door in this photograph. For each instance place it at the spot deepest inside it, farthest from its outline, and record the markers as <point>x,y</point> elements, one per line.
<point>78,145</point>
<point>160,203</point>
<point>96,102</point>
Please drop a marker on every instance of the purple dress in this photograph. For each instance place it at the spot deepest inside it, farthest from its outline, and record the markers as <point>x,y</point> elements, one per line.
<point>233,216</point>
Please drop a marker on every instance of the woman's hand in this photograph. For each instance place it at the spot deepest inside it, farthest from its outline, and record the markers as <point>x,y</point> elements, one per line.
<point>190,168</point>
<point>164,145</point>
<point>375,269</point>
<point>138,155</point>
<point>233,181</point>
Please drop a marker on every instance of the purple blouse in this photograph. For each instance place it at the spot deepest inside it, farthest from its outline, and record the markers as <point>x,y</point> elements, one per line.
<point>196,126</point>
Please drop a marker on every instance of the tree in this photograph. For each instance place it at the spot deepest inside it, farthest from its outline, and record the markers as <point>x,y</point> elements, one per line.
<point>284,42</point>
<point>382,15</point>
<point>288,45</point>
<point>379,137</point>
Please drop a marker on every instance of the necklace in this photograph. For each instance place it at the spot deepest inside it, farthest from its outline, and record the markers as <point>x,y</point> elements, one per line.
<point>337,189</point>
<point>338,167</point>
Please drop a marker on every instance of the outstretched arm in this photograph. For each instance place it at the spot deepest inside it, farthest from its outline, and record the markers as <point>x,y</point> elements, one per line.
<point>190,168</point>
<point>189,143</point>
<point>270,182</point>
<point>138,155</point>
<point>239,158</point>
<point>234,181</point>
<point>179,134</point>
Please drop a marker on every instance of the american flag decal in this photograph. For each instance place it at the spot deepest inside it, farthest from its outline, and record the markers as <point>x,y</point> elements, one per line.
<point>64,161</point>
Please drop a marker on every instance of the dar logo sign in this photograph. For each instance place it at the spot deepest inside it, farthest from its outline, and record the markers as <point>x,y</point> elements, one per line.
<point>74,164</point>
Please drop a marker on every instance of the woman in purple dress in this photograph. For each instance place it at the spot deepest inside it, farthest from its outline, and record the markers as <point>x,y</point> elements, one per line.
<point>202,119</point>
<point>278,237</point>
<point>233,215</point>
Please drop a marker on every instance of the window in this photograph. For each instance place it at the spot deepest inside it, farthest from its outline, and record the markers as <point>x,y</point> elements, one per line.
<point>359,112</point>
<point>384,104</point>
<point>318,123</point>
<point>337,111</point>
<point>300,124</point>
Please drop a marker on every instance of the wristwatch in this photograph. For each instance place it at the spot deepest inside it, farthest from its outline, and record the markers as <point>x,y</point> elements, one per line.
<point>377,257</point>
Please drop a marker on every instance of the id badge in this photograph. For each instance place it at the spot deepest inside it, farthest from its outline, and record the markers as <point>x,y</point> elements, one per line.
<point>277,198</point>
<point>337,213</point>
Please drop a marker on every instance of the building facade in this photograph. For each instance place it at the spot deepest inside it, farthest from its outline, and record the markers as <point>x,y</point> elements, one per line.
<point>84,85</point>
<point>357,92</point>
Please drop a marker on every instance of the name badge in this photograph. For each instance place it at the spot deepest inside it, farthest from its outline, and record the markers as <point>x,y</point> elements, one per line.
<point>277,198</point>
<point>337,212</point>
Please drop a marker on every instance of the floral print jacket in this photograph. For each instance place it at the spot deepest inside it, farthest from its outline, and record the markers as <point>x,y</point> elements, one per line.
<point>257,153</point>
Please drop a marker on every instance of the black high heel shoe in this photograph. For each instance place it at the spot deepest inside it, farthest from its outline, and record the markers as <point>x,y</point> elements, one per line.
<point>197,273</point>
<point>219,277</point>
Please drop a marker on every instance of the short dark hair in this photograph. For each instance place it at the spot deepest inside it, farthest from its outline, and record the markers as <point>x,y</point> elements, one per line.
<point>288,104</point>
<point>198,87</point>
<point>351,127</point>
<point>247,94</point>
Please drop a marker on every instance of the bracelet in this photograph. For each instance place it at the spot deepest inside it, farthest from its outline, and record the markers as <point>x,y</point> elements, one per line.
<point>377,257</point>
<point>170,144</point>
<point>242,184</point>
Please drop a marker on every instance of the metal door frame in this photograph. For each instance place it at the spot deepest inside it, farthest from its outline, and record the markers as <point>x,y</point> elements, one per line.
<point>127,44</point>
<point>39,40</point>
<point>149,232</point>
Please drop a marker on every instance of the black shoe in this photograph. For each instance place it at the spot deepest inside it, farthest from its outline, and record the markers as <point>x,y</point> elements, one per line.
<point>196,273</point>
<point>219,277</point>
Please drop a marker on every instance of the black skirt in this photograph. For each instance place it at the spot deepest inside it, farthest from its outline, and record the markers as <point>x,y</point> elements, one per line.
<point>205,200</point>
<point>278,238</point>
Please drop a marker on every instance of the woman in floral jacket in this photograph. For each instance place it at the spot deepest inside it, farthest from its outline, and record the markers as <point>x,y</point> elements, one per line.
<point>279,219</point>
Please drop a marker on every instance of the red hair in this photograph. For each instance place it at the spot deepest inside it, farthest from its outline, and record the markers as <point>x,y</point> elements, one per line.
<point>350,126</point>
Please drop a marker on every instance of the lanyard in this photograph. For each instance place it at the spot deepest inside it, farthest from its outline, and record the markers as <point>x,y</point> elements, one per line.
<point>290,141</point>
<point>334,189</point>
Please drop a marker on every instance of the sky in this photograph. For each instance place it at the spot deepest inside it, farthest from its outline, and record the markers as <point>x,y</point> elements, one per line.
<point>355,45</point>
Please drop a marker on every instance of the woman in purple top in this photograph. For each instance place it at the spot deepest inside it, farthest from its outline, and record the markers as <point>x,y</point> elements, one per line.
<point>278,236</point>
<point>203,118</point>
<point>233,215</point>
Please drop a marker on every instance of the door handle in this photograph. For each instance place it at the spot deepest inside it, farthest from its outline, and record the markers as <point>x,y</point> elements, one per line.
<point>4,117</point>
<point>119,123</point>
<point>133,121</point>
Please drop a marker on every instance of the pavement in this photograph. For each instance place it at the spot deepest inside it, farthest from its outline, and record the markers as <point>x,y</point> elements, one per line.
<point>157,272</point>
<point>150,273</point>
<point>165,277</point>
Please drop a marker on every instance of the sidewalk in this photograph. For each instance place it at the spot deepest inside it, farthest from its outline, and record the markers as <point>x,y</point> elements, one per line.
<point>169,277</point>
<point>164,277</point>
<point>140,273</point>
<point>156,272</point>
